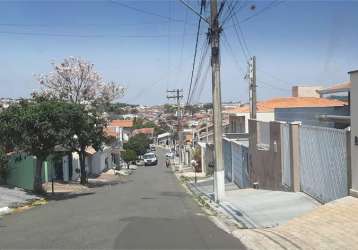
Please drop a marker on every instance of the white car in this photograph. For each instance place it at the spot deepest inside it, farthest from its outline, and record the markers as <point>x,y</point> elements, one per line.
<point>150,159</point>
<point>170,155</point>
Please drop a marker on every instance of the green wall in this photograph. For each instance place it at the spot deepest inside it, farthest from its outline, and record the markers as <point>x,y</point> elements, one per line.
<point>22,171</point>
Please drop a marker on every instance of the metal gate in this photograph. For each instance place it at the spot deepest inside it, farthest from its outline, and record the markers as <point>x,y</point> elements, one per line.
<point>286,155</point>
<point>240,155</point>
<point>323,162</point>
<point>227,159</point>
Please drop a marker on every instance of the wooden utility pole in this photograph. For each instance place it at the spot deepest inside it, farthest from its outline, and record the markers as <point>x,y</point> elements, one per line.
<point>252,87</point>
<point>219,179</point>
<point>178,95</point>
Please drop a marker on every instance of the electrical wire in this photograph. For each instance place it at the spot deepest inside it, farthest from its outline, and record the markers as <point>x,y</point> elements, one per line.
<point>269,6</point>
<point>235,18</point>
<point>204,53</point>
<point>195,52</point>
<point>146,12</point>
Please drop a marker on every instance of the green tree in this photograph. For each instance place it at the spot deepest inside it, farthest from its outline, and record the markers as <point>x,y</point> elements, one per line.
<point>36,128</point>
<point>3,164</point>
<point>85,129</point>
<point>129,156</point>
<point>138,143</point>
<point>169,109</point>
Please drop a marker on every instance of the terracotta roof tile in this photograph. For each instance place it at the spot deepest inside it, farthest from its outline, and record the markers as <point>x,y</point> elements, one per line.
<point>121,123</point>
<point>289,102</point>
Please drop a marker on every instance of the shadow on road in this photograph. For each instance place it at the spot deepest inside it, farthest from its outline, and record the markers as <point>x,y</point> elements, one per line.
<point>66,196</point>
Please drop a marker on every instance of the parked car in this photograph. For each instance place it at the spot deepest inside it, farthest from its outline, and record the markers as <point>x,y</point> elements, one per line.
<point>139,161</point>
<point>150,159</point>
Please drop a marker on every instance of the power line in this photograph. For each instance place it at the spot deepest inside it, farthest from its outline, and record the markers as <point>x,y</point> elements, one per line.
<point>200,67</point>
<point>269,6</point>
<point>89,35</point>
<point>43,25</point>
<point>195,52</point>
<point>146,11</point>
<point>274,86</point>
<point>229,13</point>
<point>235,18</point>
<point>182,44</point>
<point>231,52</point>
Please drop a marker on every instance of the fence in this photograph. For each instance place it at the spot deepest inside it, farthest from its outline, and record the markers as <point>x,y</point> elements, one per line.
<point>236,162</point>
<point>240,167</point>
<point>286,156</point>
<point>323,162</point>
<point>227,154</point>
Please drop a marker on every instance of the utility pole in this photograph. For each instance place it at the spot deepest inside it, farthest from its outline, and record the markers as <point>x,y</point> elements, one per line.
<point>252,87</point>
<point>178,95</point>
<point>219,179</point>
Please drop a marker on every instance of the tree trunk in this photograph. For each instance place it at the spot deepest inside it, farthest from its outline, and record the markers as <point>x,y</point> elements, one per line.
<point>38,177</point>
<point>83,167</point>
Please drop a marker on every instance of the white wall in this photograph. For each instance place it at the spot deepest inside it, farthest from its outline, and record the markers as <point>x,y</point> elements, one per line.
<point>260,116</point>
<point>354,129</point>
<point>98,161</point>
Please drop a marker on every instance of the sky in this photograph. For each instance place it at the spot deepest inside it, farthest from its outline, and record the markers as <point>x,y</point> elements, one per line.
<point>148,46</point>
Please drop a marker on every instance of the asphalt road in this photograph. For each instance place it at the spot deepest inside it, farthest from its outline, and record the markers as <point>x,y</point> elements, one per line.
<point>151,210</point>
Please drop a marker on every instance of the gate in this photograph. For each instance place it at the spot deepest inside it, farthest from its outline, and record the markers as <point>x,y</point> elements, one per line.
<point>227,159</point>
<point>286,156</point>
<point>240,155</point>
<point>323,162</point>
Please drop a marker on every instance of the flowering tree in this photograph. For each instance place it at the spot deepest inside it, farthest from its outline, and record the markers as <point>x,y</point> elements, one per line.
<point>76,80</point>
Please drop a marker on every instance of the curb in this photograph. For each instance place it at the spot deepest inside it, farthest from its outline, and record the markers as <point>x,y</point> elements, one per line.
<point>244,221</point>
<point>5,210</point>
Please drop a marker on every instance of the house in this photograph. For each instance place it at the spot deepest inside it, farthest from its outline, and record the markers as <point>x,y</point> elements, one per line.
<point>164,139</point>
<point>147,131</point>
<point>287,109</point>
<point>120,129</point>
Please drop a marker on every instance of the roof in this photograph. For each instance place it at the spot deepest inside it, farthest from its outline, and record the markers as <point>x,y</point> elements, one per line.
<point>121,123</point>
<point>143,131</point>
<point>110,132</point>
<point>164,135</point>
<point>340,87</point>
<point>289,102</point>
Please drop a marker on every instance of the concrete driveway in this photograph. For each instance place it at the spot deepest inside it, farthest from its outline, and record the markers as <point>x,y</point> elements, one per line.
<point>257,208</point>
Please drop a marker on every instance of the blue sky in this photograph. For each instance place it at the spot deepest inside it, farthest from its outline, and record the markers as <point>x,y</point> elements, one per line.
<point>294,42</point>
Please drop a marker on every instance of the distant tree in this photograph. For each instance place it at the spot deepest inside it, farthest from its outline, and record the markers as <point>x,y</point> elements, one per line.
<point>128,156</point>
<point>75,80</point>
<point>208,106</point>
<point>139,143</point>
<point>169,109</point>
<point>192,109</point>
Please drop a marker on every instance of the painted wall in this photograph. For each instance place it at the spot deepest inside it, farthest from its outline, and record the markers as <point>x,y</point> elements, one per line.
<point>260,116</point>
<point>100,161</point>
<point>306,91</point>
<point>354,129</point>
<point>265,164</point>
<point>310,116</point>
<point>22,171</point>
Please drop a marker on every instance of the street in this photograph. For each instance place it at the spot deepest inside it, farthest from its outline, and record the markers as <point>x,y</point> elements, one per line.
<point>150,210</point>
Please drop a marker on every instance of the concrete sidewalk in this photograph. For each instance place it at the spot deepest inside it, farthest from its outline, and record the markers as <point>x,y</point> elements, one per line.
<point>256,208</point>
<point>13,197</point>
